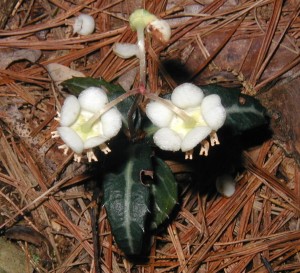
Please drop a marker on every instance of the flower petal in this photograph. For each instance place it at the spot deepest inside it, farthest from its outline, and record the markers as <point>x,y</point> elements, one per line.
<point>111,123</point>
<point>84,24</point>
<point>187,95</point>
<point>93,142</point>
<point>71,139</point>
<point>92,99</point>
<point>166,139</point>
<point>125,50</point>
<point>213,112</point>
<point>69,111</point>
<point>194,137</point>
<point>159,114</point>
<point>211,101</point>
<point>160,29</point>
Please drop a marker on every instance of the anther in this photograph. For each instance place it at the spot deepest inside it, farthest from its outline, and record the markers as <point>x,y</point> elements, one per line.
<point>65,148</point>
<point>58,116</point>
<point>104,148</point>
<point>54,134</point>
<point>189,154</point>
<point>214,138</point>
<point>204,148</point>
<point>77,158</point>
<point>91,156</point>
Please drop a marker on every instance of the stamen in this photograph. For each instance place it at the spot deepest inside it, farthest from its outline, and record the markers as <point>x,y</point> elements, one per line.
<point>65,148</point>
<point>204,148</point>
<point>214,138</point>
<point>104,148</point>
<point>54,134</point>
<point>58,116</point>
<point>189,154</point>
<point>77,158</point>
<point>91,156</point>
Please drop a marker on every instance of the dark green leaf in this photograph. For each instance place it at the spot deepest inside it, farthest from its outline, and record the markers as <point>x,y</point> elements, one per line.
<point>243,112</point>
<point>77,84</point>
<point>164,192</point>
<point>126,199</point>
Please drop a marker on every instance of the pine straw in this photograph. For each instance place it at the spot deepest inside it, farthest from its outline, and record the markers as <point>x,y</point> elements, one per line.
<point>248,232</point>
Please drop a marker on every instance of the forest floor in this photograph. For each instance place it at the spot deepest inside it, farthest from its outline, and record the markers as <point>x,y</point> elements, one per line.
<point>44,202</point>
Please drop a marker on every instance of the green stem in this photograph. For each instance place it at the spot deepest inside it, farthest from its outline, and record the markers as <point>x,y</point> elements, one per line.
<point>179,112</point>
<point>87,126</point>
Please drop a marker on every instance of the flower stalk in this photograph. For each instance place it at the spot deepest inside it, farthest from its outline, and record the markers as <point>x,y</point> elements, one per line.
<point>141,20</point>
<point>141,54</point>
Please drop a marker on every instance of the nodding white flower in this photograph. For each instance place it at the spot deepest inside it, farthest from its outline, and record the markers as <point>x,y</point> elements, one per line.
<point>84,24</point>
<point>200,117</point>
<point>76,130</point>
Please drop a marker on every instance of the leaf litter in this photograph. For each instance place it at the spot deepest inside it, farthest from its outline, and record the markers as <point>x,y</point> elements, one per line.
<point>251,44</point>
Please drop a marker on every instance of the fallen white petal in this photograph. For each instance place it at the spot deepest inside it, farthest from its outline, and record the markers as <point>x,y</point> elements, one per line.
<point>93,142</point>
<point>71,139</point>
<point>225,185</point>
<point>125,50</point>
<point>84,24</point>
<point>92,99</point>
<point>166,139</point>
<point>111,123</point>
<point>194,137</point>
<point>187,95</point>
<point>69,111</point>
<point>159,114</point>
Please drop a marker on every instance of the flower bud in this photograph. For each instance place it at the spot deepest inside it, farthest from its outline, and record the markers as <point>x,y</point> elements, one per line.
<point>141,18</point>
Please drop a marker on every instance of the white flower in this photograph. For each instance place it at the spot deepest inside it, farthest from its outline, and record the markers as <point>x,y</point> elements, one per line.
<point>84,24</point>
<point>201,117</point>
<point>75,129</point>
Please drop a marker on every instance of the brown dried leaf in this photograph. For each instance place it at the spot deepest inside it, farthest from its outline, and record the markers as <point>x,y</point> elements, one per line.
<point>8,56</point>
<point>12,259</point>
<point>60,73</point>
<point>282,101</point>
